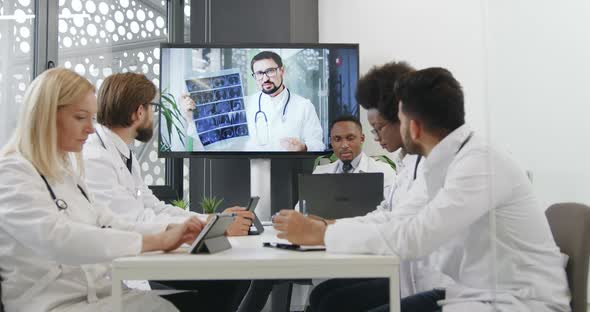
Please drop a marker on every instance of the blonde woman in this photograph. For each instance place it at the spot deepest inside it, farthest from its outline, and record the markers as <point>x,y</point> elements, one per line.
<point>55,242</point>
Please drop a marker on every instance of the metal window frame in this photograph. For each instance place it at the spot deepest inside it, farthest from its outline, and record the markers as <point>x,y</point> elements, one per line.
<point>173,189</point>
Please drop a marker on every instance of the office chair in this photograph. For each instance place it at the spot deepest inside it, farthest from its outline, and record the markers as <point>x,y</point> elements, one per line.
<point>570,224</point>
<point>1,305</point>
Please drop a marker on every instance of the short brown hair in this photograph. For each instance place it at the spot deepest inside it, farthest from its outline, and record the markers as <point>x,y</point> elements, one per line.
<point>120,95</point>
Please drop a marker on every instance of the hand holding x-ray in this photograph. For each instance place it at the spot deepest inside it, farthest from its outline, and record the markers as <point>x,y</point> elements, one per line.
<point>188,106</point>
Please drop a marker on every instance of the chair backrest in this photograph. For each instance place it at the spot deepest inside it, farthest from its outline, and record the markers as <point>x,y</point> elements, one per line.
<point>1,305</point>
<point>570,224</point>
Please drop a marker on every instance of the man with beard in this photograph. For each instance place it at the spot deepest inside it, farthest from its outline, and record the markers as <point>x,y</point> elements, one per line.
<point>113,175</point>
<point>481,214</point>
<point>278,119</point>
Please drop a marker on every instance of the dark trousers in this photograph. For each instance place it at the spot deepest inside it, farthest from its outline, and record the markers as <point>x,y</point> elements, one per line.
<point>367,295</point>
<point>259,291</point>
<point>205,295</point>
<point>257,295</point>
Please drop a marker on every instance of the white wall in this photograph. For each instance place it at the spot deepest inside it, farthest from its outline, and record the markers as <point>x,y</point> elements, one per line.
<point>523,66</point>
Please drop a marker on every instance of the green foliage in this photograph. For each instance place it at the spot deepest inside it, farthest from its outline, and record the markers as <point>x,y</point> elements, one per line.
<point>180,203</point>
<point>332,158</point>
<point>210,204</point>
<point>170,110</point>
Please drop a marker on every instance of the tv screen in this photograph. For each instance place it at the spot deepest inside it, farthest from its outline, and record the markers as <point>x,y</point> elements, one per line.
<point>254,100</point>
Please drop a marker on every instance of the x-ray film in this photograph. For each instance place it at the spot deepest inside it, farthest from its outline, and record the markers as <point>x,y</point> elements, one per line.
<point>220,111</point>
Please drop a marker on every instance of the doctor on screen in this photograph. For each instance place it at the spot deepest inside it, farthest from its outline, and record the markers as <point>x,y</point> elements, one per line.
<point>279,119</point>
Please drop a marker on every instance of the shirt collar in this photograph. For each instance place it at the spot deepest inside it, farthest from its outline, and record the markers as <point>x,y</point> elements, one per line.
<point>275,101</point>
<point>119,144</point>
<point>443,153</point>
<point>355,163</point>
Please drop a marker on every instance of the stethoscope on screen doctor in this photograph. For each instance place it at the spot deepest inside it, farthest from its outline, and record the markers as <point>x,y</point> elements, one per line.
<point>260,113</point>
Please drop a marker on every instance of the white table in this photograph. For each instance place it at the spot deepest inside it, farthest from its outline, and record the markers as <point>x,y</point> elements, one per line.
<point>247,259</point>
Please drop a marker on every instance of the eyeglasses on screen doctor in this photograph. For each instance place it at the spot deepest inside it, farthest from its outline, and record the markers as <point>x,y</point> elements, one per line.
<point>270,72</point>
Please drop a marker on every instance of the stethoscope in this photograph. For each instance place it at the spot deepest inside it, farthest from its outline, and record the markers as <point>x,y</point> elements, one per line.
<point>260,113</point>
<point>60,203</point>
<point>263,114</point>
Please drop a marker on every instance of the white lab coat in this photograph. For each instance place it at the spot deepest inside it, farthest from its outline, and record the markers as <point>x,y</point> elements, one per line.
<point>124,193</point>
<point>415,275</point>
<point>300,121</point>
<point>467,191</point>
<point>53,260</point>
<point>366,164</point>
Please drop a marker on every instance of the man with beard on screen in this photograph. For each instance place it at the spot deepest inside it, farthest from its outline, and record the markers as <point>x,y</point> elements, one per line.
<point>279,119</point>
<point>113,175</point>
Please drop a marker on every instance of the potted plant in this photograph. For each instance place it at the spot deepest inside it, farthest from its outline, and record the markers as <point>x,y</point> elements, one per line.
<point>210,204</point>
<point>181,203</point>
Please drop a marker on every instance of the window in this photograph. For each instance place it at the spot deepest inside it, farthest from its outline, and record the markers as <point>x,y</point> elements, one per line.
<point>17,18</point>
<point>99,38</point>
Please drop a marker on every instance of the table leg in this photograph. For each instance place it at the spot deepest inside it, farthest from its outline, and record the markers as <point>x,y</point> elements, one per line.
<point>394,291</point>
<point>117,293</point>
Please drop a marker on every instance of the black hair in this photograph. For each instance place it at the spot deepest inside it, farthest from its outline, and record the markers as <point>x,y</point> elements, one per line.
<point>348,118</point>
<point>434,97</point>
<point>265,55</point>
<point>376,88</point>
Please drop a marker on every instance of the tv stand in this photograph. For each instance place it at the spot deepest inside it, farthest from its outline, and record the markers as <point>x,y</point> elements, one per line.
<point>260,185</point>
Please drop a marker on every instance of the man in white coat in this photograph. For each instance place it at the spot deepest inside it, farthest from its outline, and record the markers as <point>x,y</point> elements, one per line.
<point>375,93</point>
<point>347,142</point>
<point>493,236</point>
<point>113,173</point>
<point>278,119</point>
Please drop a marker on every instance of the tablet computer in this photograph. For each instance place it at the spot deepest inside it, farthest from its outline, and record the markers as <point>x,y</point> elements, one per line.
<point>259,228</point>
<point>212,238</point>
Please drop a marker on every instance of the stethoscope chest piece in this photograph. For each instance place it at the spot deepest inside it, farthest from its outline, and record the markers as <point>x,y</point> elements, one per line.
<point>61,204</point>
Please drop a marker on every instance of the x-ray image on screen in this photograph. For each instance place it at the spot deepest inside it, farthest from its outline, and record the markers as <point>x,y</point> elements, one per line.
<point>220,112</point>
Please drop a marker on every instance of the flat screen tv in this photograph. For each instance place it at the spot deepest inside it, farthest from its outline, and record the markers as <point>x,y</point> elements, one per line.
<point>254,100</point>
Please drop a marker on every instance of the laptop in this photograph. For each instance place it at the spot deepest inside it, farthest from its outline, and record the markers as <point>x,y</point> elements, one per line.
<point>334,196</point>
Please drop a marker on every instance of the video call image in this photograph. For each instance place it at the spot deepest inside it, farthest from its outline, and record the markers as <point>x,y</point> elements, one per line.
<point>256,99</point>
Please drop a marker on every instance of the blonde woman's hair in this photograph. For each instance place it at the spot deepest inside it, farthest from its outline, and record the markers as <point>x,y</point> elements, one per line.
<point>35,137</point>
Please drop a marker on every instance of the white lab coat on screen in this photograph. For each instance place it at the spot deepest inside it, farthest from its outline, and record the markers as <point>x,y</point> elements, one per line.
<point>300,121</point>
<point>54,260</point>
<point>124,193</point>
<point>466,187</point>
